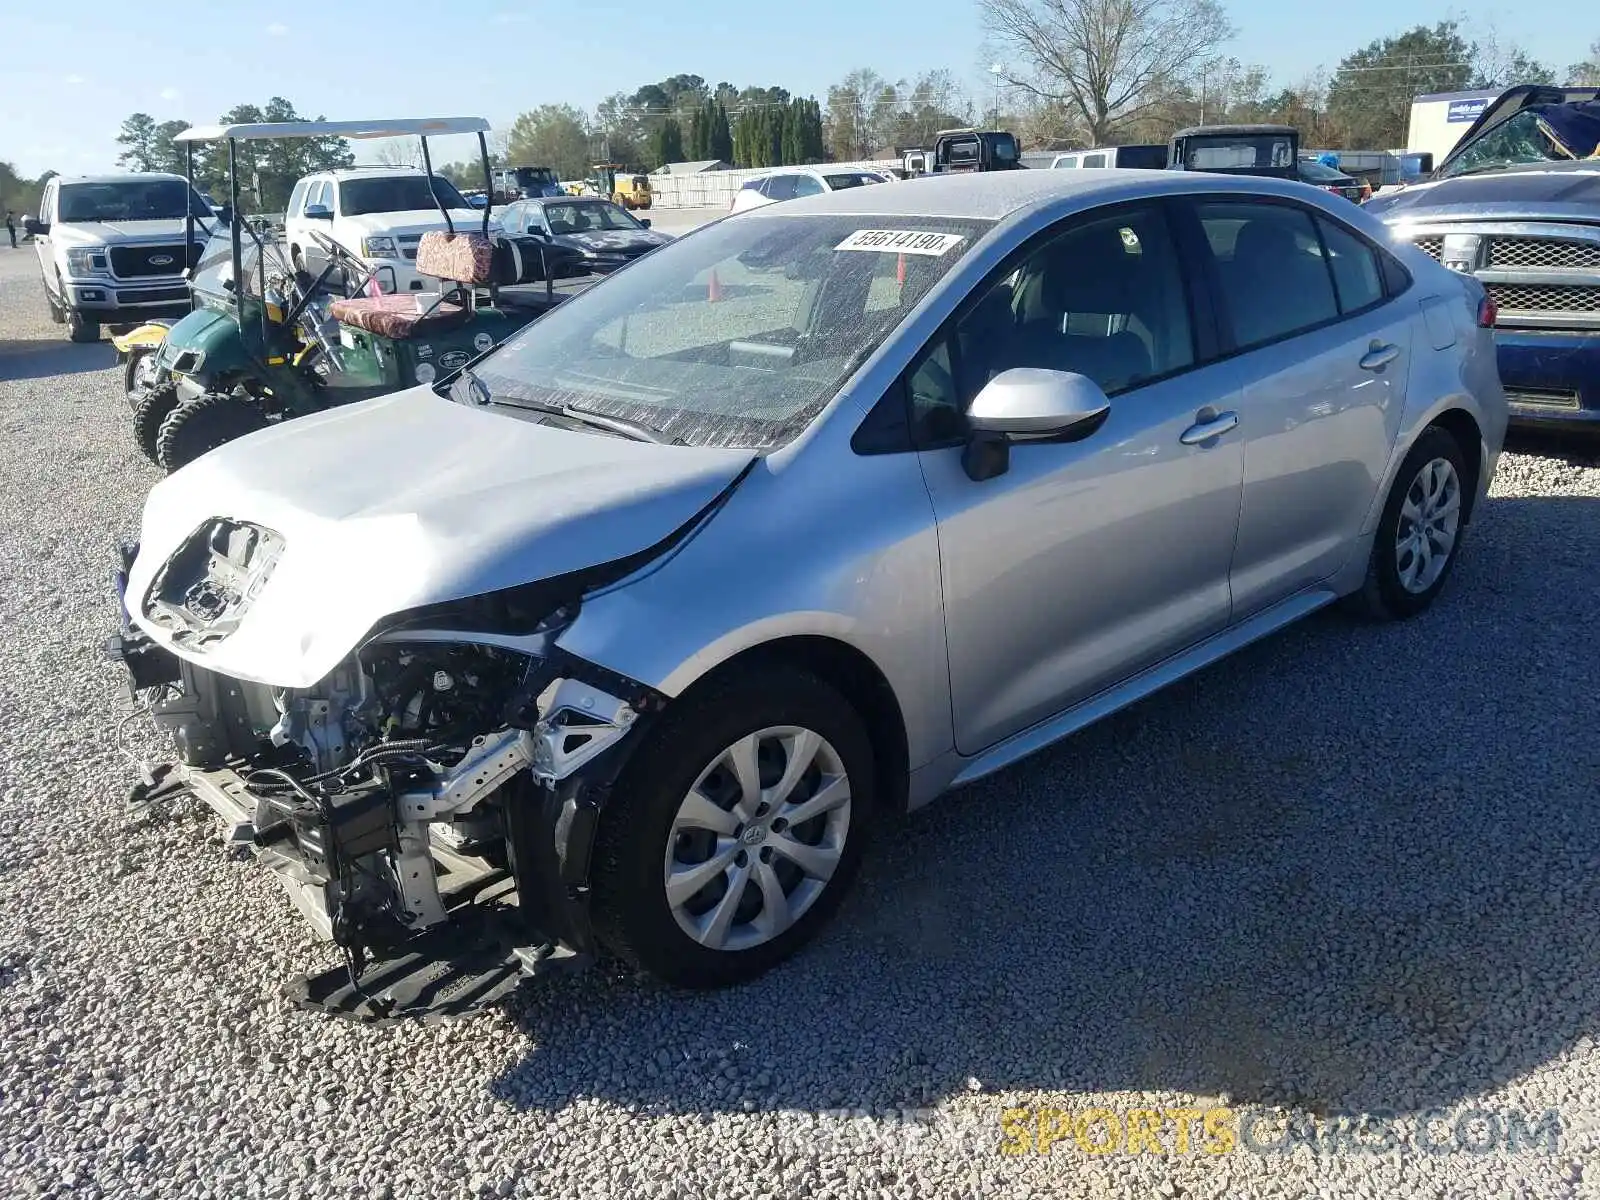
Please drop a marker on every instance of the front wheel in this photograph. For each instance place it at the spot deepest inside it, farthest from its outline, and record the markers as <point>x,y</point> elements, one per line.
<point>1419,533</point>
<point>205,423</point>
<point>81,328</point>
<point>139,374</point>
<point>735,830</point>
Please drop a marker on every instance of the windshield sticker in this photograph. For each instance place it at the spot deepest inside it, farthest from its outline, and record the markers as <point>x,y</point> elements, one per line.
<point>902,241</point>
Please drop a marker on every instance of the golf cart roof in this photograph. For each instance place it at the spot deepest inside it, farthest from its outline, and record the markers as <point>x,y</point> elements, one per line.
<point>406,127</point>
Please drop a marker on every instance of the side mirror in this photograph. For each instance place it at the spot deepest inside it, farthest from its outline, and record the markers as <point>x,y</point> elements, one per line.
<point>319,212</point>
<point>645,221</point>
<point>1029,404</point>
<point>35,226</point>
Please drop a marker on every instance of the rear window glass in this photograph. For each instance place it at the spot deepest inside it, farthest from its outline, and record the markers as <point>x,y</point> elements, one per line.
<point>850,179</point>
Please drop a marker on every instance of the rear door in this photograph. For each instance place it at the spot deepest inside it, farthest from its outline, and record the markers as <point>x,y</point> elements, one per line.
<point>1324,352</point>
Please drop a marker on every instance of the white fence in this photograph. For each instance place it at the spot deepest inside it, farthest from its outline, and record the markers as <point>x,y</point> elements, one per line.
<point>716,189</point>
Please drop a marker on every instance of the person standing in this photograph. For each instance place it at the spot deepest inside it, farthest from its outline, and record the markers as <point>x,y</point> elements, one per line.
<point>11,228</point>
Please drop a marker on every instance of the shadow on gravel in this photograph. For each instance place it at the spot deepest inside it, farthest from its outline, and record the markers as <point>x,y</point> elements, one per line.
<point>1353,868</point>
<point>24,359</point>
<point>1575,449</point>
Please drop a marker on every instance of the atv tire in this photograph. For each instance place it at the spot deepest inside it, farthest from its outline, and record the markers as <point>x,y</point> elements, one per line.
<point>149,412</point>
<point>203,424</point>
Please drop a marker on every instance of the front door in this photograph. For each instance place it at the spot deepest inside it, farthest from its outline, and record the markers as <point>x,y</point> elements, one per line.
<point>1324,388</point>
<point>1085,562</point>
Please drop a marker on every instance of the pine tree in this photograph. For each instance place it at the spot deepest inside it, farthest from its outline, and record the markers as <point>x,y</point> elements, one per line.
<point>697,135</point>
<point>721,137</point>
<point>669,142</point>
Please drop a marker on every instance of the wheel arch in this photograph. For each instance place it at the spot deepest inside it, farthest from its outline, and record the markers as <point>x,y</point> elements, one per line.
<point>854,676</point>
<point>1455,417</point>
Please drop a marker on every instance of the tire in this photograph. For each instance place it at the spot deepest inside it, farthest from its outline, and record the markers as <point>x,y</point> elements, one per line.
<point>57,317</point>
<point>203,424</point>
<point>132,385</point>
<point>639,839</point>
<point>1395,588</point>
<point>149,413</point>
<point>80,328</point>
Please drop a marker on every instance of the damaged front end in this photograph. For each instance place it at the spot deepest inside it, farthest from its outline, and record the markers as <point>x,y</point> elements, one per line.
<point>429,805</point>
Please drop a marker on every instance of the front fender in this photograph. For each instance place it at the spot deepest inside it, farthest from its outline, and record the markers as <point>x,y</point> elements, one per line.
<point>143,337</point>
<point>789,556</point>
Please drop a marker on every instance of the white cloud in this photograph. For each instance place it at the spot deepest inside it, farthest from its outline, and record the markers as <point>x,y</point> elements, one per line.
<point>277,29</point>
<point>74,79</point>
<point>171,94</point>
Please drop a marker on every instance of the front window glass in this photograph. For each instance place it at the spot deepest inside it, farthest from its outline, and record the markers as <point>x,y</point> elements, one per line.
<point>850,179</point>
<point>395,193</point>
<point>737,336</point>
<point>215,269</point>
<point>129,200</point>
<point>591,217</point>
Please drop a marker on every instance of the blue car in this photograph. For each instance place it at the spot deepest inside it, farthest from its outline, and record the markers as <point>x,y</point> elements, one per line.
<point>1516,203</point>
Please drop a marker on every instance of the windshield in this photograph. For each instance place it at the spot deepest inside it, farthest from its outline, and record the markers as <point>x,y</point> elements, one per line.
<point>1524,138</point>
<point>129,200</point>
<point>395,193</point>
<point>850,179</point>
<point>736,335</point>
<point>1315,172</point>
<point>215,268</point>
<point>1220,154</point>
<point>593,217</point>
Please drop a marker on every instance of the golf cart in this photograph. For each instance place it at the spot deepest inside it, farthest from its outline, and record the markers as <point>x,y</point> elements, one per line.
<point>266,342</point>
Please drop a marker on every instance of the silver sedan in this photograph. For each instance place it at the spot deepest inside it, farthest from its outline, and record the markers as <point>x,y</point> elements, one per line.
<point>804,518</point>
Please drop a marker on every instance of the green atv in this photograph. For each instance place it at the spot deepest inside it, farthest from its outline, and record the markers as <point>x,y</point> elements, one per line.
<point>268,342</point>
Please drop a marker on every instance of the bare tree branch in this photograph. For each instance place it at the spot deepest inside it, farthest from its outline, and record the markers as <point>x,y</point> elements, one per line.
<point>1106,61</point>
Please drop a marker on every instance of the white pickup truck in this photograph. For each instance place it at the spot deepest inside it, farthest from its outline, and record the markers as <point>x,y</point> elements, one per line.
<point>113,249</point>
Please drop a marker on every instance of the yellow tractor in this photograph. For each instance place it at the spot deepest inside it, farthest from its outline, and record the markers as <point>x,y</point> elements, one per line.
<point>630,191</point>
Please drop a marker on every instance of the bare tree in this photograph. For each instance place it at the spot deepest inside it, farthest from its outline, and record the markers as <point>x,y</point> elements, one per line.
<point>1586,74</point>
<point>1106,60</point>
<point>398,152</point>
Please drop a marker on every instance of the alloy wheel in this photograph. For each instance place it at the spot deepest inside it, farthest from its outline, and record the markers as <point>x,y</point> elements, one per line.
<point>756,840</point>
<point>1430,519</point>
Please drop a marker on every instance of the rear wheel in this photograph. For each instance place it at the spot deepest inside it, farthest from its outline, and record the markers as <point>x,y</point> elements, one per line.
<point>203,424</point>
<point>150,411</point>
<point>735,830</point>
<point>1419,532</point>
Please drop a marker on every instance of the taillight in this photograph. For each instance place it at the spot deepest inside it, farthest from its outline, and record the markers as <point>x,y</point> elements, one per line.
<point>1488,312</point>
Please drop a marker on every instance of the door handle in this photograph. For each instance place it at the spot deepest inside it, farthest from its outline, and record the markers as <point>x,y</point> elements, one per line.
<point>1379,356</point>
<point>1208,427</point>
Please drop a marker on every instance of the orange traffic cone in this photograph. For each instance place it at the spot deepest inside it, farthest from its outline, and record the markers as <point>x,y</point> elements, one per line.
<point>713,288</point>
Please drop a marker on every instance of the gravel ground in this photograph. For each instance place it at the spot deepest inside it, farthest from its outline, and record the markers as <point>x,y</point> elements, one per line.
<point>1355,870</point>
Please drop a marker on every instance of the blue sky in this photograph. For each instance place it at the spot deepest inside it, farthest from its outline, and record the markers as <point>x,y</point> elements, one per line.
<point>70,73</point>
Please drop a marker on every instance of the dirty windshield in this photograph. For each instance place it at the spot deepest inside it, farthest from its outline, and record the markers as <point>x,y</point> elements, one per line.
<point>735,335</point>
<point>588,217</point>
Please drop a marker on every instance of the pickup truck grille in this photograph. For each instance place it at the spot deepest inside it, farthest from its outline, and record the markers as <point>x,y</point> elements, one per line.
<point>1514,298</point>
<point>1544,253</point>
<point>133,262</point>
<point>1538,279</point>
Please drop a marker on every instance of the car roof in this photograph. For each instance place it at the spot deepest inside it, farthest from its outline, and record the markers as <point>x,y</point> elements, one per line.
<point>384,172</point>
<point>996,195</point>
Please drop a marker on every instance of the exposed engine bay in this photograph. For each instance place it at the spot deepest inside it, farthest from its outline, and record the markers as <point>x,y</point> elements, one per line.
<point>432,785</point>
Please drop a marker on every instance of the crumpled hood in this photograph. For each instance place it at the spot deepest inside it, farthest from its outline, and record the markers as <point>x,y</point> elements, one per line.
<point>613,240</point>
<point>1545,191</point>
<point>95,233</point>
<point>408,500</point>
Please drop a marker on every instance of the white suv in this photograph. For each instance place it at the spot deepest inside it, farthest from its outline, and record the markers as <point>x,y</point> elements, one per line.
<point>378,214</point>
<point>799,181</point>
<point>112,248</point>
